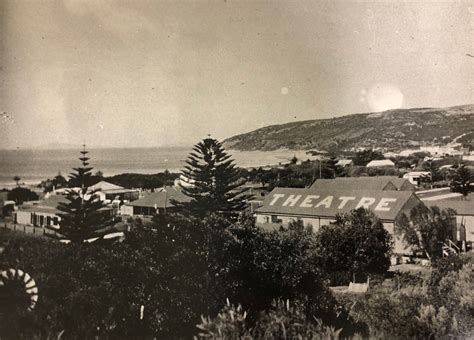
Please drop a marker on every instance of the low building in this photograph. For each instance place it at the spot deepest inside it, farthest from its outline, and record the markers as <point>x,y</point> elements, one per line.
<point>155,203</point>
<point>109,192</point>
<point>381,163</point>
<point>40,213</point>
<point>417,177</point>
<point>44,213</point>
<point>318,207</point>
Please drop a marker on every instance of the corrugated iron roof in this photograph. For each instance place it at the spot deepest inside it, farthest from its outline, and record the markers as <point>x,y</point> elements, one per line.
<point>363,183</point>
<point>161,198</point>
<point>387,205</point>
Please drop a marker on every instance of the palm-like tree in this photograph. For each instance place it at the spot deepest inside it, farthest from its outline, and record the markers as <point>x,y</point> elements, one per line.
<point>17,179</point>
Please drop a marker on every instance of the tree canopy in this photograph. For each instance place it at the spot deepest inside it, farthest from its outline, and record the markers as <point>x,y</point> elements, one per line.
<point>461,180</point>
<point>356,243</point>
<point>20,195</point>
<point>427,229</point>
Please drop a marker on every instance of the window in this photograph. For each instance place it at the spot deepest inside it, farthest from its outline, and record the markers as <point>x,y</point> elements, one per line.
<point>275,219</point>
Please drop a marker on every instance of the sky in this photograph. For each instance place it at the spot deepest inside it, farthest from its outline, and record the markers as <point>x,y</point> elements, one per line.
<point>161,73</point>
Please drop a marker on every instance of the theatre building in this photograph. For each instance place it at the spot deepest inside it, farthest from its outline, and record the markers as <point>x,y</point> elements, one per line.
<point>316,207</point>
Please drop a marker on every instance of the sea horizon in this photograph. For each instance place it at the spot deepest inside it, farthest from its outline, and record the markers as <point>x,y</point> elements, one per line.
<point>36,165</point>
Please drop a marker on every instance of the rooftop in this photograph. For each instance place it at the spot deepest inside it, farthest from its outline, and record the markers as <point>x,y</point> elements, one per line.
<point>363,183</point>
<point>330,202</point>
<point>161,198</point>
<point>48,205</point>
<point>381,162</point>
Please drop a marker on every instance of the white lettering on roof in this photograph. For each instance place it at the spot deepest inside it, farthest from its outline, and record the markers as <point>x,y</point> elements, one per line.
<point>344,200</point>
<point>307,201</point>
<point>276,197</point>
<point>383,204</point>
<point>365,202</point>
<point>291,200</point>
<point>326,202</point>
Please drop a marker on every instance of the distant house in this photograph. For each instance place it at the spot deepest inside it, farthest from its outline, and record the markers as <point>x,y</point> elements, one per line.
<point>345,162</point>
<point>382,163</point>
<point>40,213</point>
<point>109,192</point>
<point>155,203</point>
<point>380,183</point>
<point>417,177</point>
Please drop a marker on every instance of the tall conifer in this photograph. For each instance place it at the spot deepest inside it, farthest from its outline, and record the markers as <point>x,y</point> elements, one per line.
<point>83,217</point>
<point>214,181</point>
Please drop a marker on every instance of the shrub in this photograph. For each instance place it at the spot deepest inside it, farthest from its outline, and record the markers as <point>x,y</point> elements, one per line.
<point>281,321</point>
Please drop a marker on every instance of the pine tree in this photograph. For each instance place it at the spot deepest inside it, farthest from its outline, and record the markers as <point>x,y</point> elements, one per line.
<point>461,180</point>
<point>215,181</point>
<point>83,217</point>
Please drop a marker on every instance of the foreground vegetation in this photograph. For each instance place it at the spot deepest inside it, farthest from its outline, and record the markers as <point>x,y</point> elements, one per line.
<point>164,276</point>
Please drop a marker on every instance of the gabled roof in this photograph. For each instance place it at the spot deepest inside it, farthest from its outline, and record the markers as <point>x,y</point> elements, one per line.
<point>402,184</point>
<point>363,183</point>
<point>387,205</point>
<point>105,186</point>
<point>380,163</point>
<point>461,207</point>
<point>161,198</point>
<point>48,205</point>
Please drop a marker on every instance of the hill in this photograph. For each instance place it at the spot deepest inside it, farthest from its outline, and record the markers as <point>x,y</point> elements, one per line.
<point>393,130</point>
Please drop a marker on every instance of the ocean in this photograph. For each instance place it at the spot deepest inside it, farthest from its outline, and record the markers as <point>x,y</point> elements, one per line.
<point>33,166</point>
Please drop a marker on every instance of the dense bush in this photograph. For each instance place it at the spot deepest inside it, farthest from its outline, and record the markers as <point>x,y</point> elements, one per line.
<point>20,195</point>
<point>263,266</point>
<point>356,243</point>
<point>163,276</point>
<point>410,308</point>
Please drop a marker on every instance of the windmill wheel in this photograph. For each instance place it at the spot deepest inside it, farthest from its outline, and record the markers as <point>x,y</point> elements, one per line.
<point>18,291</point>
